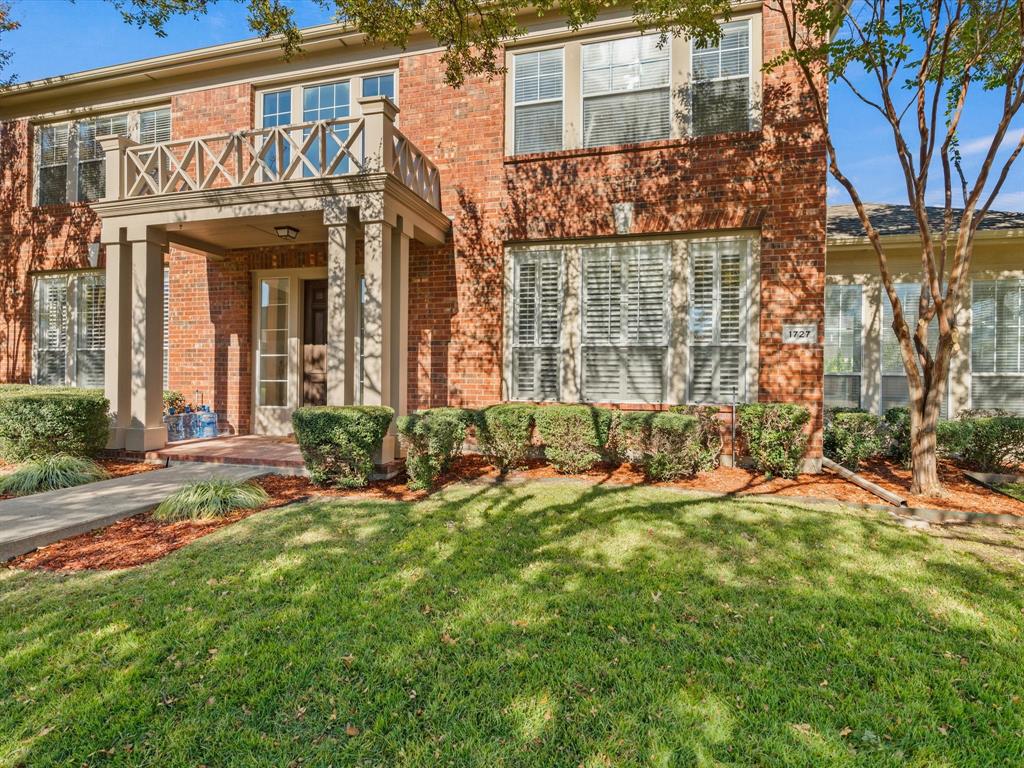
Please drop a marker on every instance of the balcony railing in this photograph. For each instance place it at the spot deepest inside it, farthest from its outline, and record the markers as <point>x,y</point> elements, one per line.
<point>315,150</point>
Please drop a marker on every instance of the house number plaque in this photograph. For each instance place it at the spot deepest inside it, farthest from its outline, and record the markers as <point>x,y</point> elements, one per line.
<point>800,334</point>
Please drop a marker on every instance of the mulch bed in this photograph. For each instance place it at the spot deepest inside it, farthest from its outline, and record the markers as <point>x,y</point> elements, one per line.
<point>141,539</point>
<point>114,467</point>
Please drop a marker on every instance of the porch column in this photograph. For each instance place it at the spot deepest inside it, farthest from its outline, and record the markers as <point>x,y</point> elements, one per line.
<point>342,313</point>
<point>400,319</point>
<point>379,322</point>
<point>146,430</point>
<point>117,357</point>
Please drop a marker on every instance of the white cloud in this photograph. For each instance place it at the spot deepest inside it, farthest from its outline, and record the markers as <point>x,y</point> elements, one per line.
<point>980,145</point>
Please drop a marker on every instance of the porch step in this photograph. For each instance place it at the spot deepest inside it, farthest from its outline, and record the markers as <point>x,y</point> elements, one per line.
<point>280,454</point>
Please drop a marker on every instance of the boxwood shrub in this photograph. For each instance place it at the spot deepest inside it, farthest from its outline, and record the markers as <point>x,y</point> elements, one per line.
<point>574,436</point>
<point>774,436</point>
<point>338,442</point>
<point>666,445</point>
<point>853,435</point>
<point>985,443</point>
<point>36,422</point>
<point>897,427</point>
<point>504,433</point>
<point>433,438</point>
<point>709,433</point>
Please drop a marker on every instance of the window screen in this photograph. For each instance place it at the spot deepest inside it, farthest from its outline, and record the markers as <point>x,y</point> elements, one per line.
<point>721,82</point>
<point>842,346</point>
<point>537,325</point>
<point>538,101</point>
<point>51,323</point>
<point>626,94</point>
<point>997,344</point>
<point>718,320</point>
<point>625,322</point>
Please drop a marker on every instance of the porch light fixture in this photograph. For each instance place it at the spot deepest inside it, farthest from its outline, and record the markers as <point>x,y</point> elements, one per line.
<point>286,233</point>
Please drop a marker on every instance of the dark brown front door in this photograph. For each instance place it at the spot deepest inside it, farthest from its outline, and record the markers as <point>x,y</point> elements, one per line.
<point>314,342</point>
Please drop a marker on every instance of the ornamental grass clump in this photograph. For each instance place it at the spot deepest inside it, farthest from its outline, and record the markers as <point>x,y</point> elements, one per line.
<point>433,439</point>
<point>574,436</point>
<point>49,473</point>
<point>208,499</point>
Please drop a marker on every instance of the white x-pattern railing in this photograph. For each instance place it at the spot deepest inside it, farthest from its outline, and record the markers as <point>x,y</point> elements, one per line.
<point>414,170</point>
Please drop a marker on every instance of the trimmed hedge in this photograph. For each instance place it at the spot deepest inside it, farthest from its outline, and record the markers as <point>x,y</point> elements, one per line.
<point>36,422</point>
<point>504,432</point>
<point>774,435</point>
<point>897,425</point>
<point>574,436</point>
<point>853,435</point>
<point>338,442</point>
<point>709,432</point>
<point>433,439</point>
<point>987,443</point>
<point>666,445</point>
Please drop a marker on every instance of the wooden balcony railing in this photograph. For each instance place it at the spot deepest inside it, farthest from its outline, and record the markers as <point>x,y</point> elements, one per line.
<point>314,150</point>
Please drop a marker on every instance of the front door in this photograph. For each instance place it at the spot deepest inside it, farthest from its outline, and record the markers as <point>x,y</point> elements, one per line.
<point>314,342</point>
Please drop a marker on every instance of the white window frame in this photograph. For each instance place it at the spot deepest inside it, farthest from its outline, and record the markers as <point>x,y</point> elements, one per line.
<point>354,79</point>
<point>71,319</point>
<point>133,118</point>
<point>538,254</point>
<point>994,374</point>
<point>859,341</point>
<point>694,51</point>
<point>560,100</point>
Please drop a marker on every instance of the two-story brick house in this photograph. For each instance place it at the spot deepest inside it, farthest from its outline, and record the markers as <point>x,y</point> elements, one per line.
<point>615,221</point>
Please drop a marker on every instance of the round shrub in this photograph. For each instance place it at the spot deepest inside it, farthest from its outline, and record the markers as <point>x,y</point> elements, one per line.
<point>666,445</point>
<point>853,435</point>
<point>433,439</point>
<point>504,432</point>
<point>774,436</point>
<point>50,473</point>
<point>709,433</point>
<point>338,442</point>
<point>41,423</point>
<point>897,427</point>
<point>205,499</point>
<point>574,436</point>
<point>986,443</point>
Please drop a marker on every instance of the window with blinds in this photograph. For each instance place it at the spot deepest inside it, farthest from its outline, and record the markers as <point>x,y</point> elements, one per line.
<point>720,99</point>
<point>626,94</point>
<point>537,325</point>
<point>538,78</point>
<point>997,344</point>
<point>895,390</point>
<point>625,302</point>
<point>52,174</point>
<point>50,340</point>
<point>155,126</point>
<point>91,161</point>
<point>842,346</point>
<point>91,330</point>
<point>718,334</point>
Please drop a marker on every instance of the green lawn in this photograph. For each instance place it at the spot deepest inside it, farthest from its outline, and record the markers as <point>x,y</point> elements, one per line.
<point>1016,490</point>
<point>547,624</point>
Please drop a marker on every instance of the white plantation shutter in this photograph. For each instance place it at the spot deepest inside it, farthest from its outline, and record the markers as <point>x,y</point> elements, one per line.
<point>997,344</point>
<point>91,160</point>
<point>537,325</point>
<point>90,341</point>
<point>895,390</point>
<point>52,175</point>
<point>51,321</point>
<point>626,95</point>
<point>720,98</point>
<point>718,321</point>
<point>625,323</point>
<point>155,126</point>
<point>538,78</point>
<point>842,346</point>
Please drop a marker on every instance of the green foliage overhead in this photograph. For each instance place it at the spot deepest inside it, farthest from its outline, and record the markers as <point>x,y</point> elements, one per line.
<point>40,421</point>
<point>50,473</point>
<point>206,499</point>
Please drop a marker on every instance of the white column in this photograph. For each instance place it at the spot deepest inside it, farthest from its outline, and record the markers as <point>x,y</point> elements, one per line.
<point>118,354</point>
<point>378,322</point>
<point>146,431</point>
<point>400,283</point>
<point>342,303</point>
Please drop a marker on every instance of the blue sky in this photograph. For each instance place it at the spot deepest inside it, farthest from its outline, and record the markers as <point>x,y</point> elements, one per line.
<point>58,37</point>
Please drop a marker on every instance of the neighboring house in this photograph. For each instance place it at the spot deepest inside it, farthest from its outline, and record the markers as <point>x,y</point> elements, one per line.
<point>615,222</point>
<point>863,367</point>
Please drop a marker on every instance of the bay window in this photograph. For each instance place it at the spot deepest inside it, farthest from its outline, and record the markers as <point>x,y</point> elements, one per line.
<point>997,344</point>
<point>843,346</point>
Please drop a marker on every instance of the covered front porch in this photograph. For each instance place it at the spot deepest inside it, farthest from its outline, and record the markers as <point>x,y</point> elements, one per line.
<point>334,332</point>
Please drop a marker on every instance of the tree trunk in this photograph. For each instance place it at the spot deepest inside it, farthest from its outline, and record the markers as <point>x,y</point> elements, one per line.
<point>924,463</point>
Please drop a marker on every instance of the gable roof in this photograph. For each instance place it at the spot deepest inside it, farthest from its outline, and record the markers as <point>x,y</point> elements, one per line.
<point>888,219</point>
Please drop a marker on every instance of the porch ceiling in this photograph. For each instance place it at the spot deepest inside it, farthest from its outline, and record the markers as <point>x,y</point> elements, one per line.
<point>218,235</point>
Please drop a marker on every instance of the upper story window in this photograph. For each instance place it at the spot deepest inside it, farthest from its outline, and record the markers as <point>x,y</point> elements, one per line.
<point>626,96</point>
<point>538,101</point>
<point>380,85</point>
<point>631,89</point>
<point>721,82</point>
<point>70,161</point>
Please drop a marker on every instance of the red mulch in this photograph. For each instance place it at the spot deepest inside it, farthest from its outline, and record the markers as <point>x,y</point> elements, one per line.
<point>141,539</point>
<point>114,467</point>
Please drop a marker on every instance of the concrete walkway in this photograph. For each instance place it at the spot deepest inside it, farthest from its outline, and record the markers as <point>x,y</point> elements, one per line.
<point>34,521</point>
